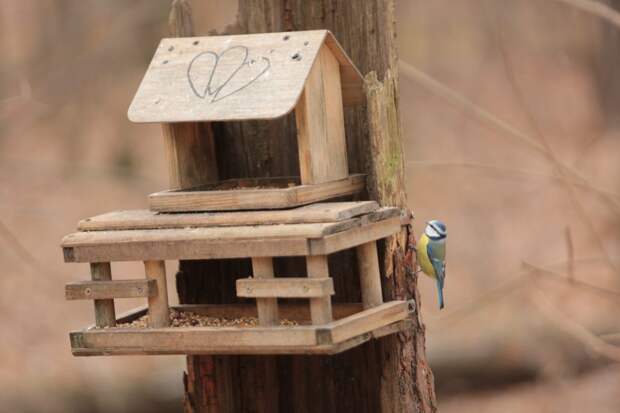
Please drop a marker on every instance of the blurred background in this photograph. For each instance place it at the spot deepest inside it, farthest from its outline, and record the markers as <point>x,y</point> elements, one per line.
<point>511,120</point>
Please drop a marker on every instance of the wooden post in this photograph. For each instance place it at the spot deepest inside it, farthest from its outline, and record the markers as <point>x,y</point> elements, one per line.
<point>159,314</point>
<point>320,307</point>
<point>370,278</point>
<point>267,307</point>
<point>104,309</point>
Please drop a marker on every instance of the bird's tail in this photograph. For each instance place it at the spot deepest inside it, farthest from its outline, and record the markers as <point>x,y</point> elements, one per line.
<point>440,292</point>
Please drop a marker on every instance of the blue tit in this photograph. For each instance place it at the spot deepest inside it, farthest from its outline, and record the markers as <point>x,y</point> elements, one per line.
<point>431,252</point>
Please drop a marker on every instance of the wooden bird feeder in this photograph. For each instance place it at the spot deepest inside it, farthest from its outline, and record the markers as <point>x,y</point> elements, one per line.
<point>199,80</point>
<point>312,231</point>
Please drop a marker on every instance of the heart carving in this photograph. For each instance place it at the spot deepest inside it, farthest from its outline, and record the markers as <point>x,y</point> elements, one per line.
<point>216,76</point>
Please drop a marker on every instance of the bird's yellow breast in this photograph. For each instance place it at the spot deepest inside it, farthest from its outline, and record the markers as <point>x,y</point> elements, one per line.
<point>423,259</point>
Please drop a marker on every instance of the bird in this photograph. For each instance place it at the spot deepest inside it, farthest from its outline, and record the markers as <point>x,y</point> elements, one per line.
<point>431,253</point>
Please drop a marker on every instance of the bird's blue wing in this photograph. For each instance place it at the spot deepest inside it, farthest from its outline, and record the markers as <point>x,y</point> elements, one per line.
<point>440,272</point>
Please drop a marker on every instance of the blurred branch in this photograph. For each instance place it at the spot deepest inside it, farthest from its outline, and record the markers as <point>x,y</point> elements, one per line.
<point>534,269</point>
<point>497,168</point>
<point>586,337</point>
<point>21,251</point>
<point>488,118</point>
<point>562,169</point>
<point>595,8</point>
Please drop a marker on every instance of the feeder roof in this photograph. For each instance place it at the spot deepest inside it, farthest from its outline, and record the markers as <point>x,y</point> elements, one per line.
<point>240,77</point>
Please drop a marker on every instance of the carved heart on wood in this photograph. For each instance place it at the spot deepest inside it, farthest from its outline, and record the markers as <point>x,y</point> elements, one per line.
<point>216,76</point>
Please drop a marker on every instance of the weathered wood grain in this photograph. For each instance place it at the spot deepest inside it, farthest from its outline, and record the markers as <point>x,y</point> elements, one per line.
<point>158,302</point>
<point>194,200</point>
<point>104,309</point>
<point>224,78</point>
<point>288,287</point>
<point>320,124</point>
<point>262,268</point>
<point>146,219</point>
<point>99,290</point>
<point>370,275</point>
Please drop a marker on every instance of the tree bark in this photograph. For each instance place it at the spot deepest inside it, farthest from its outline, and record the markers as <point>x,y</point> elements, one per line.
<point>387,375</point>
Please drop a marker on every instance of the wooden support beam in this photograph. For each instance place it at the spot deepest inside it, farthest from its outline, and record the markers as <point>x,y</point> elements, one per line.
<point>262,267</point>
<point>104,309</point>
<point>285,287</point>
<point>368,320</point>
<point>320,123</point>
<point>101,290</point>
<point>320,307</point>
<point>159,314</point>
<point>370,276</point>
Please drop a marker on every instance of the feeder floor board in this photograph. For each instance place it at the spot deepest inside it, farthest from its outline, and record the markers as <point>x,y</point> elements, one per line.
<point>346,332</point>
<point>264,194</point>
<point>147,219</point>
<point>230,242</point>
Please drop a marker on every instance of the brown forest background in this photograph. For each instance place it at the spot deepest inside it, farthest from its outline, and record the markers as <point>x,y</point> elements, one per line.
<point>510,111</point>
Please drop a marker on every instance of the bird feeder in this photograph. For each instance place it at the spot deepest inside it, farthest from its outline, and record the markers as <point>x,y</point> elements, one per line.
<point>200,80</point>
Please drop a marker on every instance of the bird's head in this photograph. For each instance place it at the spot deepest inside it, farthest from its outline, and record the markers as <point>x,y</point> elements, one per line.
<point>436,230</point>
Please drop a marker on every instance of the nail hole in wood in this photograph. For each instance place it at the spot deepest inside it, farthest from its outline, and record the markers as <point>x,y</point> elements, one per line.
<point>196,42</point>
<point>296,57</point>
<point>171,48</point>
<point>286,37</point>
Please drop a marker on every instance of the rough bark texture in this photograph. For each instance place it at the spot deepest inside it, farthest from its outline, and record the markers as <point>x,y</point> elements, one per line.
<point>388,375</point>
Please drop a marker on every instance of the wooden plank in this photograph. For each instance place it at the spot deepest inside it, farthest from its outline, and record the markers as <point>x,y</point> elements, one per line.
<point>227,340</point>
<point>159,314</point>
<point>285,287</point>
<point>98,290</point>
<point>194,340</point>
<point>370,276</point>
<point>368,320</point>
<point>227,242</point>
<point>320,123</point>
<point>225,78</point>
<point>262,268</point>
<point>104,309</point>
<point>170,247</point>
<point>355,236</point>
<point>320,307</point>
<point>147,219</point>
<point>254,199</point>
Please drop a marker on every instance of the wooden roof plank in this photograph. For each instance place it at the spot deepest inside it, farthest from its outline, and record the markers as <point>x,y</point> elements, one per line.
<point>238,77</point>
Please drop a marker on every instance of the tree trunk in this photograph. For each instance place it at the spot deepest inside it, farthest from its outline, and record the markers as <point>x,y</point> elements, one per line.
<point>386,375</point>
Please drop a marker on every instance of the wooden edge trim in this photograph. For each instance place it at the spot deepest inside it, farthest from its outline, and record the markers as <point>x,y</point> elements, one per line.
<point>368,320</point>
<point>285,287</point>
<point>101,290</point>
<point>354,237</point>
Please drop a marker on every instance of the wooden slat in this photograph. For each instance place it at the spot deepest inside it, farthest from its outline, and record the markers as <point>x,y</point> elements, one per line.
<point>97,290</point>
<point>100,270</point>
<point>146,219</point>
<point>195,340</point>
<point>370,276</point>
<point>158,303</point>
<point>254,199</point>
<point>285,287</point>
<point>257,76</point>
<point>355,236</point>
<point>232,340</point>
<point>228,242</point>
<point>320,307</point>
<point>320,123</point>
<point>368,320</point>
<point>350,78</point>
<point>262,268</point>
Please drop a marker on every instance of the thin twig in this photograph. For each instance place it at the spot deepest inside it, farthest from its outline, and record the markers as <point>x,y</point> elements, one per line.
<point>486,117</point>
<point>473,165</point>
<point>595,8</point>
<point>593,343</point>
<point>561,169</point>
